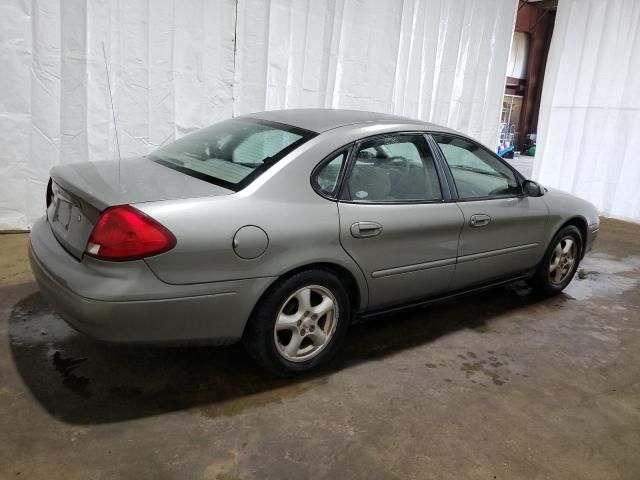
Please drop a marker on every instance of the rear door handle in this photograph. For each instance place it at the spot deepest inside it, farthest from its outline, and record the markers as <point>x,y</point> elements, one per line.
<point>366,229</point>
<point>479,220</point>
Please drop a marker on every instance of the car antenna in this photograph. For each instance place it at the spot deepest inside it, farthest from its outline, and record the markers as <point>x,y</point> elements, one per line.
<point>113,112</point>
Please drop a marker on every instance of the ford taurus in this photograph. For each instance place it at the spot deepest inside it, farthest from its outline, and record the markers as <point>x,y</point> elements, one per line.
<point>279,228</point>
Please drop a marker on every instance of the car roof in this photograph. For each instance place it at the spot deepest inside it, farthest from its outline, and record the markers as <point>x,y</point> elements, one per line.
<point>322,119</point>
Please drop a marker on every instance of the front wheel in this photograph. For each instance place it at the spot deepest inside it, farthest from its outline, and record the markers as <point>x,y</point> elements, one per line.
<point>300,323</point>
<point>560,262</point>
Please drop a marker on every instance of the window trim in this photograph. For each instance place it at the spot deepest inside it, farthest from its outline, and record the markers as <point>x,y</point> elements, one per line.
<point>343,195</point>
<point>341,175</point>
<point>449,174</point>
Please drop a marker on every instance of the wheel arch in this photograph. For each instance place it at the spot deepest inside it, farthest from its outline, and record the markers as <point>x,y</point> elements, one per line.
<point>356,295</point>
<point>354,289</point>
<point>581,224</point>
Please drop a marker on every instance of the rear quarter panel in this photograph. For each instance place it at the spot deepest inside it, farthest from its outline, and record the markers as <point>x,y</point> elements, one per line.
<point>298,233</point>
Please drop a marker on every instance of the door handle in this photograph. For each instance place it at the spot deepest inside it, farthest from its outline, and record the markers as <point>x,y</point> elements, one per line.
<point>479,220</point>
<point>366,229</point>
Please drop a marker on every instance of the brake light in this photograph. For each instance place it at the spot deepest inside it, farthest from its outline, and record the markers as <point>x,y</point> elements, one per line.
<point>49,192</point>
<point>125,233</point>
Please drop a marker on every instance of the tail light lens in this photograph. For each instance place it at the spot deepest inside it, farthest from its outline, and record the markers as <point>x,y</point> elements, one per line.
<point>125,233</point>
<point>49,192</point>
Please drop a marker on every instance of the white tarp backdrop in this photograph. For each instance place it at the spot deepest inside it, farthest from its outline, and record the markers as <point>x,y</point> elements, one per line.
<point>178,65</point>
<point>589,128</point>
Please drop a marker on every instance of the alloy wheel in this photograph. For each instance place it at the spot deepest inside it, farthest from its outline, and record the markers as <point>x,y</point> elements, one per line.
<point>562,260</point>
<point>306,323</point>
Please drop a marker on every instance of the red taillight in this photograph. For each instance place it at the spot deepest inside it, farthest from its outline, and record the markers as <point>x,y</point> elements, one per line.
<point>49,192</point>
<point>125,233</point>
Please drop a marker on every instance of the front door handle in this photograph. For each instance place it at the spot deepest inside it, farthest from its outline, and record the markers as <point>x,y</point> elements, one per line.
<point>479,220</point>
<point>366,229</point>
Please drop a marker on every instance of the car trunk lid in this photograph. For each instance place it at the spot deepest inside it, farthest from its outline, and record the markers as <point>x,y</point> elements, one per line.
<point>80,192</point>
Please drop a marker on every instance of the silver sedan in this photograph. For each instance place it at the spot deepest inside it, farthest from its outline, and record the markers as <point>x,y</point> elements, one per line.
<point>279,228</point>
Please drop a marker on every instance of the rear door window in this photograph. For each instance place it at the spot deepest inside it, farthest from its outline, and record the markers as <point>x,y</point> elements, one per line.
<point>327,178</point>
<point>394,169</point>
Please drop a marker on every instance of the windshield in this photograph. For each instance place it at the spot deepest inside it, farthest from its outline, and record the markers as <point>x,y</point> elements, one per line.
<point>231,153</point>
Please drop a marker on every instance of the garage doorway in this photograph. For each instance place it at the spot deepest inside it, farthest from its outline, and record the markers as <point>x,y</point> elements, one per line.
<point>523,87</point>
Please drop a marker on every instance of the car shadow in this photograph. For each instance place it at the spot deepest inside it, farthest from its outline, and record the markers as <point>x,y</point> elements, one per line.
<point>82,381</point>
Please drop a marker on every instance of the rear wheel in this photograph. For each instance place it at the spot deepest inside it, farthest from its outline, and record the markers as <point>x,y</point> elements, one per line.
<point>299,323</point>
<point>560,262</point>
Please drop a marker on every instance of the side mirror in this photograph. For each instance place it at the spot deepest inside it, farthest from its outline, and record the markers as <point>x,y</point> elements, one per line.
<point>532,189</point>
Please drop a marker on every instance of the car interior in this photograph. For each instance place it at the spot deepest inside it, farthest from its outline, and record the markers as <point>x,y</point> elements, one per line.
<point>380,175</point>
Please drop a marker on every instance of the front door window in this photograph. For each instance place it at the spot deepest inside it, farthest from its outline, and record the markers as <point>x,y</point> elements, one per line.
<point>476,172</point>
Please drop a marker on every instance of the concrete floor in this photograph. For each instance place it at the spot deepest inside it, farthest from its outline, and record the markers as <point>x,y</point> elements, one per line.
<point>501,386</point>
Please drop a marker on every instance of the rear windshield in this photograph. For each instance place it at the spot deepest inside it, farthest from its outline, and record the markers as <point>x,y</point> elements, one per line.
<point>231,153</point>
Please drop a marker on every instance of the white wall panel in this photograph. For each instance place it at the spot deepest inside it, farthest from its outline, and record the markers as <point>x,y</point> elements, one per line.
<point>431,59</point>
<point>589,128</point>
<point>173,69</point>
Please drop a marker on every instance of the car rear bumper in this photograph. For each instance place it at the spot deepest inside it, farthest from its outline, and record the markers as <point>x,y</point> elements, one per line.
<point>86,296</point>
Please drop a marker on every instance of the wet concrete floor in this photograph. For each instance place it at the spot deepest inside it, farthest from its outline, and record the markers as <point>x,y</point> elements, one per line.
<point>503,385</point>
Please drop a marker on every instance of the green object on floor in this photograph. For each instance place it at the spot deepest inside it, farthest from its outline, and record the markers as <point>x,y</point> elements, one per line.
<point>532,151</point>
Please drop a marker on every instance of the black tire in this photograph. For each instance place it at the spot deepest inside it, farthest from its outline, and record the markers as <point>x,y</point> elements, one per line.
<point>542,281</point>
<point>259,338</point>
